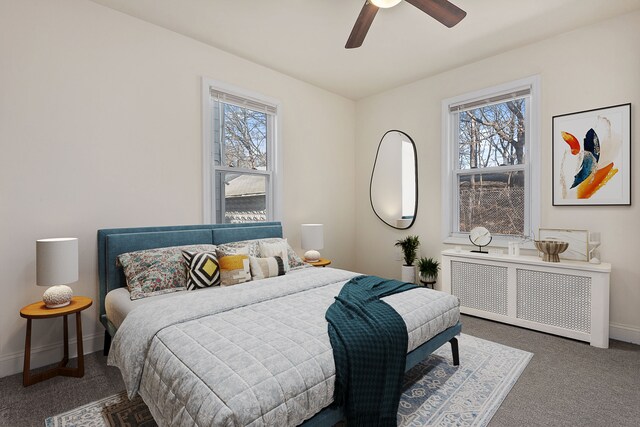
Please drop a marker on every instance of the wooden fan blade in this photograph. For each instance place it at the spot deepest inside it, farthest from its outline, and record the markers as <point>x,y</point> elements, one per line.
<point>447,13</point>
<point>361,27</point>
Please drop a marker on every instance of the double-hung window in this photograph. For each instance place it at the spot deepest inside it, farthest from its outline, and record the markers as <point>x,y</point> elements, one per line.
<point>241,155</point>
<point>490,155</point>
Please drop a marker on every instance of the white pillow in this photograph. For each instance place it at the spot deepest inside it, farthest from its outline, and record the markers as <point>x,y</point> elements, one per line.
<point>280,249</point>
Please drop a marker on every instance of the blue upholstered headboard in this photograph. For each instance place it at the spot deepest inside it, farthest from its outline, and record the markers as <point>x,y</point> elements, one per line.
<point>116,241</point>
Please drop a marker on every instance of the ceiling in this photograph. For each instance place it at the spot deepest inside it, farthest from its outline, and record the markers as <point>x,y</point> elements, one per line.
<point>305,38</point>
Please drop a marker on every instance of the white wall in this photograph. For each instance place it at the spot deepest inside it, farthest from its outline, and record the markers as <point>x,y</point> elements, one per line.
<point>100,126</point>
<point>593,67</point>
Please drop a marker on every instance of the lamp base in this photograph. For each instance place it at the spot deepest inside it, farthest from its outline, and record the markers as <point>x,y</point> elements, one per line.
<point>312,256</point>
<point>57,296</point>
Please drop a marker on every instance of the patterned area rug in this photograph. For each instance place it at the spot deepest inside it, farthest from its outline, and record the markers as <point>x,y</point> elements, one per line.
<point>435,392</point>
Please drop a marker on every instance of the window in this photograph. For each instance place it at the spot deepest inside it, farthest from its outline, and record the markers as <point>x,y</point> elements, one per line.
<point>490,152</point>
<point>241,155</point>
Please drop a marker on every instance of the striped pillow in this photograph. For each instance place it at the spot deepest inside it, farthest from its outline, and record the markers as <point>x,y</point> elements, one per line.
<point>261,268</point>
<point>203,268</point>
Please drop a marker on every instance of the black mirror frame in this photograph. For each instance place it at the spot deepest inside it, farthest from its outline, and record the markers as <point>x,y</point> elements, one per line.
<point>375,162</point>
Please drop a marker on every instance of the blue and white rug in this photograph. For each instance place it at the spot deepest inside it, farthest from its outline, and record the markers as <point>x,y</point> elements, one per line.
<point>435,392</point>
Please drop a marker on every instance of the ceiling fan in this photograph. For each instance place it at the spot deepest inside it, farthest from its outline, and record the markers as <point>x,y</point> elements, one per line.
<point>447,13</point>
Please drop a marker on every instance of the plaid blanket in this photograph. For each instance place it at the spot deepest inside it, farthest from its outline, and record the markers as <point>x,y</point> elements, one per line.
<point>369,340</point>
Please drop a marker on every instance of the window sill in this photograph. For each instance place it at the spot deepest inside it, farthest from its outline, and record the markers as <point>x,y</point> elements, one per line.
<point>496,242</point>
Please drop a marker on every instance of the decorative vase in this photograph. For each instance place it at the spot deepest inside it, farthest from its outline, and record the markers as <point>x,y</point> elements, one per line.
<point>409,273</point>
<point>551,249</point>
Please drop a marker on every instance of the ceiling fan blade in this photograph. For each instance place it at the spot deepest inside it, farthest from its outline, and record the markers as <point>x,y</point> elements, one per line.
<point>362,25</point>
<point>447,13</point>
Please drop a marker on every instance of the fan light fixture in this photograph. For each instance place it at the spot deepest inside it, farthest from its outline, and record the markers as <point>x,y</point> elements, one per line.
<point>442,11</point>
<point>385,3</point>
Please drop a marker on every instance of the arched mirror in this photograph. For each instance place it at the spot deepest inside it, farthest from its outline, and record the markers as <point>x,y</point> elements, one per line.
<point>394,180</point>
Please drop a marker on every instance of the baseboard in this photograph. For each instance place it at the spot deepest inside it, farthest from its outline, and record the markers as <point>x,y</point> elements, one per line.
<point>620,332</point>
<point>47,354</point>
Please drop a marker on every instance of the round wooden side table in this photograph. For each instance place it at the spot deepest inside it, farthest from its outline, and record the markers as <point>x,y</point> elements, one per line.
<point>38,310</point>
<point>322,262</point>
<point>428,284</point>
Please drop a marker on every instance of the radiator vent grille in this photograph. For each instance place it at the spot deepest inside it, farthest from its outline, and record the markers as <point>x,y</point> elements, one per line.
<point>483,287</point>
<point>554,299</point>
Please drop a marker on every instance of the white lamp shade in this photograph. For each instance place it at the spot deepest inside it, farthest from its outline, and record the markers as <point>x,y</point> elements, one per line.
<point>56,261</point>
<point>385,3</point>
<point>312,236</point>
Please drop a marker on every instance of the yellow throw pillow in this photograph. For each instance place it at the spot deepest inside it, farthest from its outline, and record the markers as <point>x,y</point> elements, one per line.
<point>234,269</point>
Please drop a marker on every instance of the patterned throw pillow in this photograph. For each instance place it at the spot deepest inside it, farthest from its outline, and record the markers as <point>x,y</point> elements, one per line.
<point>235,248</point>
<point>261,268</point>
<point>250,247</point>
<point>234,269</point>
<point>203,269</point>
<point>157,271</point>
<point>280,248</point>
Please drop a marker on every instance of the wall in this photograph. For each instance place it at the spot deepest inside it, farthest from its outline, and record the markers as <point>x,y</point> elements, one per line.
<point>593,67</point>
<point>100,126</point>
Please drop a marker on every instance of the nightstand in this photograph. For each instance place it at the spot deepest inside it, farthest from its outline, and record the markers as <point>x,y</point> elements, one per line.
<point>322,262</point>
<point>38,310</point>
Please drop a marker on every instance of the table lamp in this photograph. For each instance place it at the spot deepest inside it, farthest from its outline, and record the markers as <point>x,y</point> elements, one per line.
<point>312,240</point>
<point>57,265</point>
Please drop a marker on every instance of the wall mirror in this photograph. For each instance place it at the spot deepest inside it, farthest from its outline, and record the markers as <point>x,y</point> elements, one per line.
<point>394,180</point>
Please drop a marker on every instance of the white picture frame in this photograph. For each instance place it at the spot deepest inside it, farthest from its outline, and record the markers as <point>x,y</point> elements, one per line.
<point>591,157</point>
<point>578,240</point>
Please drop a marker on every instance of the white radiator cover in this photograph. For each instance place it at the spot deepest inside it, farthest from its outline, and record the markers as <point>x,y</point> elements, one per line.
<point>569,298</point>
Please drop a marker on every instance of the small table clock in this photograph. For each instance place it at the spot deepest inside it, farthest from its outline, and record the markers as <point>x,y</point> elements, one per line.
<point>480,237</point>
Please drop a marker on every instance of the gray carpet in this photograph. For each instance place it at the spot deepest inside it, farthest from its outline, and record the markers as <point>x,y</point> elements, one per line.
<point>567,383</point>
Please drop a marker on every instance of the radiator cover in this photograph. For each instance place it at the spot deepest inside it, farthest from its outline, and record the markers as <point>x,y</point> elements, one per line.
<point>569,298</point>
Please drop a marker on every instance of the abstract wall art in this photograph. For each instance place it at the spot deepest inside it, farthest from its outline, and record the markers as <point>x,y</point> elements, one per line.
<point>592,157</point>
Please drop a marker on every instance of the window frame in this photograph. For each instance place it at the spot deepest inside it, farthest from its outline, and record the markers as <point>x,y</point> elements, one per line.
<point>209,169</point>
<point>450,159</point>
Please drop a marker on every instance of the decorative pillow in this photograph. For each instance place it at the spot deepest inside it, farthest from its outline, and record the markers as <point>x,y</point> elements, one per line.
<point>157,271</point>
<point>203,269</point>
<point>261,268</point>
<point>251,248</point>
<point>280,249</point>
<point>235,248</point>
<point>234,269</point>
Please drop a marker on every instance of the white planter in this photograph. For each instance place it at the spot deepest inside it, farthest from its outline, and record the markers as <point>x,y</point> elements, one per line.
<point>428,279</point>
<point>409,273</point>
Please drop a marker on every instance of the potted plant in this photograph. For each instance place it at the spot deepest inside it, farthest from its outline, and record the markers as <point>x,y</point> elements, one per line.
<point>409,246</point>
<point>428,268</point>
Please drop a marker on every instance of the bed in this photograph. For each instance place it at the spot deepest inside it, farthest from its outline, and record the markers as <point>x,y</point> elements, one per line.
<point>251,354</point>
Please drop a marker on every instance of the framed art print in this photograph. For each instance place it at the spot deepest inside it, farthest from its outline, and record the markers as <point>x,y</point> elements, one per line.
<point>592,157</point>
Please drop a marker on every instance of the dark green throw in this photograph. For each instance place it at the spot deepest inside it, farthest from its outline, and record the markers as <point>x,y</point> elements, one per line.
<point>369,340</point>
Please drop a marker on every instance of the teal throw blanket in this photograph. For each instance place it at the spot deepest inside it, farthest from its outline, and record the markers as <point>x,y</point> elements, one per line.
<point>369,340</point>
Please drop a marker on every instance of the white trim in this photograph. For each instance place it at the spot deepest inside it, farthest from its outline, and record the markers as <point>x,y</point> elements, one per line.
<point>277,156</point>
<point>206,152</point>
<point>47,354</point>
<point>534,154</point>
<point>627,333</point>
<point>448,156</point>
<point>274,203</point>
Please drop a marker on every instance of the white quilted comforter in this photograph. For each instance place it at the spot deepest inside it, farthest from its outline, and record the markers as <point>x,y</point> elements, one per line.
<point>256,354</point>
